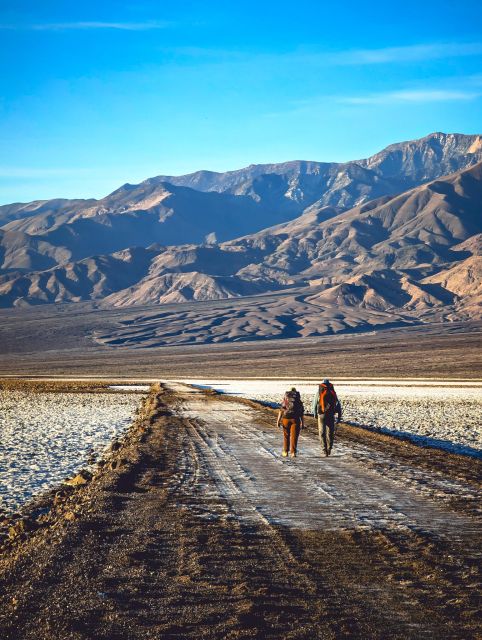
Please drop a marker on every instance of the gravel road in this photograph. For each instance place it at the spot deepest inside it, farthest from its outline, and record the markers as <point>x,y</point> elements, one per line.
<point>196,528</point>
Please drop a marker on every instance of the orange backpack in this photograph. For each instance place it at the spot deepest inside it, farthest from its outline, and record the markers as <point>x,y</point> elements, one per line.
<point>327,400</point>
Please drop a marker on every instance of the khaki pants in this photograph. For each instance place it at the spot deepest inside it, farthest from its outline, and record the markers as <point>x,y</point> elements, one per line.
<point>291,432</point>
<point>326,430</point>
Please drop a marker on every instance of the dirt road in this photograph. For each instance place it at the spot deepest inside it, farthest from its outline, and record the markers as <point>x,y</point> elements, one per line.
<point>197,528</point>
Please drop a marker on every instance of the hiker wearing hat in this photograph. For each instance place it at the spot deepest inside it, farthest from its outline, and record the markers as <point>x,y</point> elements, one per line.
<point>325,406</point>
<point>290,418</point>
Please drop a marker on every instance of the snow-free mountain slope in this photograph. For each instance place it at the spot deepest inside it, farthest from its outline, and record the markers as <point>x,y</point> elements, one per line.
<point>221,206</point>
<point>395,169</point>
<point>415,230</point>
<point>21,210</point>
<point>399,259</point>
<point>129,217</point>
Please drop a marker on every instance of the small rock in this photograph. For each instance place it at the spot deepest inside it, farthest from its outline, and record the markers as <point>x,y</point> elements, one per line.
<point>80,479</point>
<point>16,530</point>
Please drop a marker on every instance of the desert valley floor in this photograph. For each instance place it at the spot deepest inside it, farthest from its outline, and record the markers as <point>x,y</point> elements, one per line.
<point>64,340</point>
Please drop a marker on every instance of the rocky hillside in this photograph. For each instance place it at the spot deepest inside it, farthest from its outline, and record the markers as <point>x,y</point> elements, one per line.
<point>205,207</point>
<point>412,257</point>
<point>393,170</point>
<point>268,251</point>
<point>131,216</point>
<point>385,254</point>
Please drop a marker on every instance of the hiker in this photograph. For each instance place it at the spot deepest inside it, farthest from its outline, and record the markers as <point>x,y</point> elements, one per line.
<point>290,417</point>
<point>325,406</point>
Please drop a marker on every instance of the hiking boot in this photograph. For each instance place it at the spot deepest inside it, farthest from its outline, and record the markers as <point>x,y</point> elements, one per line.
<point>285,454</point>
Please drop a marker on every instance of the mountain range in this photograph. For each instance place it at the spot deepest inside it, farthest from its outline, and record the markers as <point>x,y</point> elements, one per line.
<point>393,238</point>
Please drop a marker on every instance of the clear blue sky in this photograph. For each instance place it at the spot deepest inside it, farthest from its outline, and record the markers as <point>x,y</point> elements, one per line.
<point>95,94</point>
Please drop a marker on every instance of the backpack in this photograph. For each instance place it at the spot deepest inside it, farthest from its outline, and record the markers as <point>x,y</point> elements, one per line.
<point>329,395</point>
<point>292,405</point>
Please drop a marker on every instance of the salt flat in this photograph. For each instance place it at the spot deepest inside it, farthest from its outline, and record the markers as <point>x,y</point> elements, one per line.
<point>45,437</point>
<point>447,415</point>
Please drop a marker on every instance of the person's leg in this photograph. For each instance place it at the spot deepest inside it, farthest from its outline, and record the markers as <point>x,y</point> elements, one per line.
<point>297,429</point>
<point>295,432</point>
<point>286,436</point>
<point>331,432</point>
<point>325,436</point>
<point>320,429</point>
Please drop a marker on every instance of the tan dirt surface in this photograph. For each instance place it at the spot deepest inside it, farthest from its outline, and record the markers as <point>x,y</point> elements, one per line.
<point>195,527</point>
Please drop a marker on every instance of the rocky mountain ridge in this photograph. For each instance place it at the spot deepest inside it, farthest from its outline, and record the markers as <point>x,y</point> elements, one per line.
<point>208,206</point>
<point>418,253</point>
<point>406,258</point>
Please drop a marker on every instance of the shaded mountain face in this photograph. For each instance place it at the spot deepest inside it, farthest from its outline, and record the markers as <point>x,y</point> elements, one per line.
<point>38,235</point>
<point>401,260</point>
<point>130,217</point>
<point>208,206</point>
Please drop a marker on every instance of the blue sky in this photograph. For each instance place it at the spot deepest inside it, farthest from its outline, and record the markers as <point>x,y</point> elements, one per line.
<point>96,94</point>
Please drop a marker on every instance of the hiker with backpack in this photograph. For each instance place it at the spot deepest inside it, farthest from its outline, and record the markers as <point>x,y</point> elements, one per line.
<point>325,406</point>
<point>290,418</point>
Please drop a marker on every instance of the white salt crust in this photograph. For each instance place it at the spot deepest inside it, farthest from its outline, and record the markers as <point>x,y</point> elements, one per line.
<point>46,437</point>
